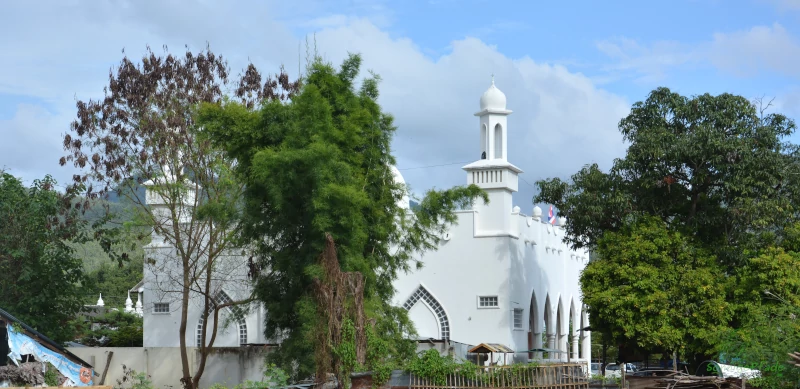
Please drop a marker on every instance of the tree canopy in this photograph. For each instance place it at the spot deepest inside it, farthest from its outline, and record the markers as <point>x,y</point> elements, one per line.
<point>706,184</point>
<point>653,286</point>
<point>717,168</point>
<point>320,165</point>
<point>41,278</point>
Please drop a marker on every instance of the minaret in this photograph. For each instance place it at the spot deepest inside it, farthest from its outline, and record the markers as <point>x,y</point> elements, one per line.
<point>493,173</point>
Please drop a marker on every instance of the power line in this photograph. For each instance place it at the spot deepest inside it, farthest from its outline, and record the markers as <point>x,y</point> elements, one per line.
<point>429,166</point>
<point>457,163</point>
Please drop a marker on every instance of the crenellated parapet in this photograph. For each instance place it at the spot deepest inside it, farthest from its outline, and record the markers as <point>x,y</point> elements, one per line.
<point>545,237</point>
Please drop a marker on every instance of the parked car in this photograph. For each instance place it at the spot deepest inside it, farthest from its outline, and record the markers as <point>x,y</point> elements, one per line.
<point>594,369</point>
<point>613,370</point>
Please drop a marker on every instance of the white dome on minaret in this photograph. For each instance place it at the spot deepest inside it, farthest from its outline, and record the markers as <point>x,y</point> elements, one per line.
<point>493,99</point>
<point>398,179</point>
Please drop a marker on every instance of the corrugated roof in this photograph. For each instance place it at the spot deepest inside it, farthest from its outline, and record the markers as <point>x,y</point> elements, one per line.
<point>485,348</point>
<point>43,339</point>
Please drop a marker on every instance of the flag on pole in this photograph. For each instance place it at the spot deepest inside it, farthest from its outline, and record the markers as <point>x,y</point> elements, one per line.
<point>551,217</point>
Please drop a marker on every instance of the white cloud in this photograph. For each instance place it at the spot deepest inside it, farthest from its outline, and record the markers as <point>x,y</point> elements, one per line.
<point>746,53</point>
<point>561,120</point>
<point>742,53</point>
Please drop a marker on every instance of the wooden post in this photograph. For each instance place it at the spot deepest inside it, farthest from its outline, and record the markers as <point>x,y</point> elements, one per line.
<point>105,370</point>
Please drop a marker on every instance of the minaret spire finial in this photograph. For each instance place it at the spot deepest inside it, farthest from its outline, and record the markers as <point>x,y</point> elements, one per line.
<point>492,78</point>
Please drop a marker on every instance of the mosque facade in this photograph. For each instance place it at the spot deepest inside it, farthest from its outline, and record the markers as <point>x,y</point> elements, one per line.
<point>499,275</point>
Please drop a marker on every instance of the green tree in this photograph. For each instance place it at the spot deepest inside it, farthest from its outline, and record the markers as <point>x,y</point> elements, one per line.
<point>655,287</point>
<point>113,329</point>
<point>114,281</point>
<point>320,165</point>
<point>717,168</point>
<point>768,292</point>
<point>41,280</point>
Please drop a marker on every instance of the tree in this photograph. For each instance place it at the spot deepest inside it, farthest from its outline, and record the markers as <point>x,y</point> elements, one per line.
<point>41,280</point>
<point>143,133</point>
<point>115,329</point>
<point>714,167</point>
<point>654,287</point>
<point>320,166</point>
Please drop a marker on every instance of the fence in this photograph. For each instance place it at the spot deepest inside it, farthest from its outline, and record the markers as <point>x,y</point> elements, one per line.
<point>550,376</point>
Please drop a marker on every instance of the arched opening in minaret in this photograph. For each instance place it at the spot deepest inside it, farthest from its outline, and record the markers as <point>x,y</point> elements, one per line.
<point>484,140</point>
<point>498,141</point>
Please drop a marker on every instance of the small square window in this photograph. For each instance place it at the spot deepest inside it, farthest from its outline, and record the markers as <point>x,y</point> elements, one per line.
<point>161,308</point>
<point>518,318</point>
<point>487,302</point>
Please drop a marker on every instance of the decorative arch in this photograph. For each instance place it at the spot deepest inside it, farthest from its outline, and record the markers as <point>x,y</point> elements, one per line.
<point>572,337</point>
<point>548,334</point>
<point>498,141</point>
<point>586,347</point>
<point>236,312</point>
<point>561,338</point>
<point>423,294</point>
<point>484,139</point>
<point>534,327</point>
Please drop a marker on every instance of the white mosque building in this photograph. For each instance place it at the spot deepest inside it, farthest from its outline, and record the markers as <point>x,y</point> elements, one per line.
<point>498,277</point>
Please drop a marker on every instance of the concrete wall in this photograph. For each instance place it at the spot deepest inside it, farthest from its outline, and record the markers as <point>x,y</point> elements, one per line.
<point>228,366</point>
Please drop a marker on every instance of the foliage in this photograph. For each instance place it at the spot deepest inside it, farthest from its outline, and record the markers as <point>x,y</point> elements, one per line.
<point>143,132</point>
<point>115,329</point>
<point>654,286</point>
<point>718,172</point>
<point>767,329</point>
<point>319,165</point>
<point>714,167</point>
<point>51,375</point>
<point>274,377</point>
<point>114,280</point>
<point>41,279</point>
<point>436,369</point>
<point>132,379</point>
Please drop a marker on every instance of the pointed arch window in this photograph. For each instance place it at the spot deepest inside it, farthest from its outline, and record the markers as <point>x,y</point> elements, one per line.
<point>236,313</point>
<point>422,294</point>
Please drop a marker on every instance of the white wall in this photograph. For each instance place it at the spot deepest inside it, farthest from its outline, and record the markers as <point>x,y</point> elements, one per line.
<point>162,329</point>
<point>228,366</point>
<point>531,262</point>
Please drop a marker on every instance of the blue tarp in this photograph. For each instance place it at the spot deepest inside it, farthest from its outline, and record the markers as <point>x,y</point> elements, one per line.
<point>21,344</point>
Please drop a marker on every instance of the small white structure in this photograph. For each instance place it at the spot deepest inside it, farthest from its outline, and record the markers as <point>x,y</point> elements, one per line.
<point>500,276</point>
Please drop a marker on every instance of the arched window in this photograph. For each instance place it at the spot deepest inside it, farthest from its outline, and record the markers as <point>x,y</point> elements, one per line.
<point>235,311</point>
<point>422,294</point>
<point>498,141</point>
<point>484,139</point>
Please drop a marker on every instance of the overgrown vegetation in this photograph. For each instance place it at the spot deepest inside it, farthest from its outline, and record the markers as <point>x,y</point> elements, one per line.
<point>436,369</point>
<point>315,166</point>
<point>113,329</point>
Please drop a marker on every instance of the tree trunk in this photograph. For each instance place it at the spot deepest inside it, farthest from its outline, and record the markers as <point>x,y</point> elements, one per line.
<point>186,381</point>
<point>674,361</point>
<point>603,364</point>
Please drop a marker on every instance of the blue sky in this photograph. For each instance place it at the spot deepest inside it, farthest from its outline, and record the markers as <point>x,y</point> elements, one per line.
<point>570,70</point>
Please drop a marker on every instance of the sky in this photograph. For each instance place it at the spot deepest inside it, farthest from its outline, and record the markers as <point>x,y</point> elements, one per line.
<point>570,70</point>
